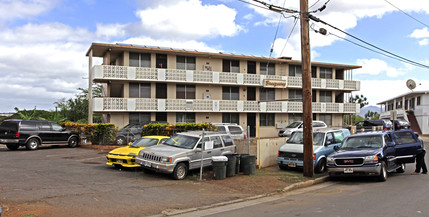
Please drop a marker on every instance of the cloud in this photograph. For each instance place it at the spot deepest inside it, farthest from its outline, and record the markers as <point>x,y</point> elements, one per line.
<point>377,67</point>
<point>424,42</point>
<point>188,20</point>
<point>19,9</point>
<point>108,31</point>
<point>420,33</point>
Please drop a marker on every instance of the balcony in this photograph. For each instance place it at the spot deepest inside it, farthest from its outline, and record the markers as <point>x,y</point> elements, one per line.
<point>107,104</point>
<point>104,73</point>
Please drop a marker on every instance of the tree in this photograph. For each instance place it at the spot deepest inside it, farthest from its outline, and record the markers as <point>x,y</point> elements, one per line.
<point>26,115</point>
<point>361,100</point>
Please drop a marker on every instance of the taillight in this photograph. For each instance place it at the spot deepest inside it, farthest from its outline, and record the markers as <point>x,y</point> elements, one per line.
<point>398,127</point>
<point>278,153</point>
<point>17,134</point>
<point>235,149</point>
<point>384,128</point>
<point>245,136</point>
<point>314,156</point>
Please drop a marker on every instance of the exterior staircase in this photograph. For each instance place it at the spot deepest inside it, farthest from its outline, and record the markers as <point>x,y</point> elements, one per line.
<point>413,123</point>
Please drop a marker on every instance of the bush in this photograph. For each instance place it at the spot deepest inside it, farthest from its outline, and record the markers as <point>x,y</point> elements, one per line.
<point>96,133</point>
<point>165,129</point>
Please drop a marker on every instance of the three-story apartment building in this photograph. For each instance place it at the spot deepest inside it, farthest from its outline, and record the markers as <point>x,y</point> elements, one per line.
<point>142,83</point>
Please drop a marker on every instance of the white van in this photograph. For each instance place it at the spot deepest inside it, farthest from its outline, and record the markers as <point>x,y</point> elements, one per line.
<point>232,129</point>
<point>299,125</point>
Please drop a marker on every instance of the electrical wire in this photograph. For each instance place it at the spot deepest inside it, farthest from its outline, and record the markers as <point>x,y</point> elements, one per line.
<point>287,40</point>
<point>314,3</point>
<point>277,30</point>
<point>255,5</point>
<point>407,14</point>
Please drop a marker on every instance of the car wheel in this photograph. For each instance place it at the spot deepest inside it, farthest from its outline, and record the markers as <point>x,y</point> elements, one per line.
<point>321,166</point>
<point>73,142</point>
<point>32,144</point>
<point>383,172</point>
<point>117,166</point>
<point>121,140</point>
<point>401,169</point>
<point>12,147</point>
<point>180,171</point>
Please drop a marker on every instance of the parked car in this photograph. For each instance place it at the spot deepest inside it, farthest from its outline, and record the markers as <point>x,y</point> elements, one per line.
<point>131,132</point>
<point>367,125</point>
<point>374,154</point>
<point>126,156</point>
<point>287,131</point>
<point>291,154</point>
<point>232,129</point>
<point>182,152</point>
<point>33,133</point>
<point>401,124</point>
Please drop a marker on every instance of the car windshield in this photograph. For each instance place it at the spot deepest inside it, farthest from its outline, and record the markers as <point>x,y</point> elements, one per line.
<point>294,125</point>
<point>145,142</point>
<point>182,141</point>
<point>297,138</point>
<point>373,141</point>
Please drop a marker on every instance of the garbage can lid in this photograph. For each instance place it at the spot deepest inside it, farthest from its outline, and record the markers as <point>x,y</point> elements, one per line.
<point>219,158</point>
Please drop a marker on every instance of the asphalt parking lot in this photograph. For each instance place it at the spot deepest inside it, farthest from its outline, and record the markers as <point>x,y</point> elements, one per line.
<point>61,181</point>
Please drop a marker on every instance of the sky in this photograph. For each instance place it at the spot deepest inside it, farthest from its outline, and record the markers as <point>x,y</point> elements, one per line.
<point>43,42</point>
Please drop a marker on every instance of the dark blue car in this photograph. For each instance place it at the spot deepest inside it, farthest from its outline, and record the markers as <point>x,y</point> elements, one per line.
<point>374,154</point>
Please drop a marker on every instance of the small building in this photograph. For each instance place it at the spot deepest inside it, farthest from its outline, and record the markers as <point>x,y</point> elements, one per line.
<point>412,106</point>
<point>146,83</point>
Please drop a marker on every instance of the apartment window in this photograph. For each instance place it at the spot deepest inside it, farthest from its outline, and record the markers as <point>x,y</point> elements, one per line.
<point>230,118</point>
<point>313,96</point>
<point>161,91</point>
<point>325,96</point>
<point>182,117</point>
<point>327,118</point>
<point>185,91</point>
<point>161,61</point>
<point>267,94</point>
<point>295,71</point>
<point>266,119</point>
<point>137,117</point>
<point>267,69</point>
<point>406,104</point>
<point>230,93</point>
<point>230,66</point>
<point>295,95</point>
<point>251,67</point>
<point>186,63</point>
<point>326,73</point>
<point>140,59</point>
<point>294,118</point>
<point>314,72</point>
<point>139,90</point>
<point>251,93</point>
<point>161,116</point>
<point>418,100</point>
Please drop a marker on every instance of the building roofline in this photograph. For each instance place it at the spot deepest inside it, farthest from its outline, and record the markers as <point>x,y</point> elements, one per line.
<point>412,93</point>
<point>99,49</point>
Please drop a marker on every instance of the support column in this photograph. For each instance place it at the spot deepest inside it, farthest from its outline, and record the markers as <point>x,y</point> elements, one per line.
<point>90,119</point>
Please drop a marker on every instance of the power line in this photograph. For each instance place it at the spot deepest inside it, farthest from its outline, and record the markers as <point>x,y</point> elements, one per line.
<point>277,30</point>
<point>287,40</point>
<point>407,14</point>
<point>254,5</point>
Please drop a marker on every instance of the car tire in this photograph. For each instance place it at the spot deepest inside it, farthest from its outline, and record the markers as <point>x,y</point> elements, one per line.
<point>117,166</point>
<point>401,169</point>
<point>383,172</point>
<point>180,171</point>
<point>12,147</point>
<point>32,144</point>
<point>321,166</point>
<point>73,142</point>
<point>121,141</point>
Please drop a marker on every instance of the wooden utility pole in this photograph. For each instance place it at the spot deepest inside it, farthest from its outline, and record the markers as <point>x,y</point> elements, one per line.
<point>306,91</point>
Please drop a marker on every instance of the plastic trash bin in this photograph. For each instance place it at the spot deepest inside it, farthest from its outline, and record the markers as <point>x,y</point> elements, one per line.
<point>242,156</point>
<point>237,163</point>
<point>219,167</point>
<point>231,165</point>
<point>249,164</point>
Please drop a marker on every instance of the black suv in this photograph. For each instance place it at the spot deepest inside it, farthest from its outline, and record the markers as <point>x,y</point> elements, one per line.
<point>31,134</point>
<point>367,125</point>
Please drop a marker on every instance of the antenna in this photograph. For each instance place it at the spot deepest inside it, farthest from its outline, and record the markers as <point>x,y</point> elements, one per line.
<point>411,84</point>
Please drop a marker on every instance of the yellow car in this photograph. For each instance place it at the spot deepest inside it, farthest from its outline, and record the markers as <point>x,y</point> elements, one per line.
<point>126,156</point>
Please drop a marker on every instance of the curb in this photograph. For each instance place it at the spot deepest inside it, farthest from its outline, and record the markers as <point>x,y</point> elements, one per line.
<point>286,189</point>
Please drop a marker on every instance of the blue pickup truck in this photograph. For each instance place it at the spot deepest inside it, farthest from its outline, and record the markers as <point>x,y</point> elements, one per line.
<point>374,154</point>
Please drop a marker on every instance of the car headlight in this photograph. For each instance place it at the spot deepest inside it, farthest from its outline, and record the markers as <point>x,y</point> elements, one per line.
<point>166,159</point>
<point>330,160</point>
<point>373,159</point>
<point>132,155</point>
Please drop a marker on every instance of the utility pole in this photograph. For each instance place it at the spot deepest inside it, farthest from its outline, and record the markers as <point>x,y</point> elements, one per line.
<point>306,91</point>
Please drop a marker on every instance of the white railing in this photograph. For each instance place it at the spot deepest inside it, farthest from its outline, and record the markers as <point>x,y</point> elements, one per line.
<point>107,104</point>
<point>109,72</point>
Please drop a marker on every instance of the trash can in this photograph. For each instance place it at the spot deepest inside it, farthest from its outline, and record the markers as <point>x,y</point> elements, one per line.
<point>237,163</point>
<point>242,156</point>
<point>231,165</point>
<point>219,167</point>
<point>249,164</point>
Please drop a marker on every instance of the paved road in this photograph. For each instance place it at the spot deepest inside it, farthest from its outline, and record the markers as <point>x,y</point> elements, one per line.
<point>401,195</point>
<point>60,181</point>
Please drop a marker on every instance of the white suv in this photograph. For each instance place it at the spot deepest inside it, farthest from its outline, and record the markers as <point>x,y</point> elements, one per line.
<point>299,125</point>
<point>232,129</point>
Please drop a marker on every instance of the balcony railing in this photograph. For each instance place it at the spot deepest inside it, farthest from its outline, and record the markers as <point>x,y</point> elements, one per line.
<point>184,105</point>
<point>109,72</point>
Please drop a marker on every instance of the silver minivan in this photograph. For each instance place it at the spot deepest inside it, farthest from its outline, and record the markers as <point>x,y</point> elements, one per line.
<point>182,152</point>
<point>287,131</point>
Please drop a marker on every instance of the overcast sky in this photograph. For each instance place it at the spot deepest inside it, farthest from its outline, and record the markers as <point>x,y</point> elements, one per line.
<point>43,42</point>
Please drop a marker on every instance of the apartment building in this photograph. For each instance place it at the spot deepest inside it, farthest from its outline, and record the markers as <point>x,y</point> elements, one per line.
<point>145,83</point>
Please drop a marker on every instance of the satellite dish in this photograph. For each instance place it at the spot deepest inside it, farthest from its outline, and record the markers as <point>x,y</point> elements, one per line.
<point>411,84</point>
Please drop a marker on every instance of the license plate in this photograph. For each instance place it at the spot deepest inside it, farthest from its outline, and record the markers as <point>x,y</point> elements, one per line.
<point>291,164</point>
<point>119,161</point>
<point>348,170</point>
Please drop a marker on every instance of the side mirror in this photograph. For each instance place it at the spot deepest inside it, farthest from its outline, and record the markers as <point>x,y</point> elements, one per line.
<point>336,148</point>
<point>390,144</point>
<point>328,142</point>
<point>198,150</point>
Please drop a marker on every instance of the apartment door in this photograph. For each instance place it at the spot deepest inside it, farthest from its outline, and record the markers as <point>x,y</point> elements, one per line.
<point>251,93</point>
<point>251,121</point>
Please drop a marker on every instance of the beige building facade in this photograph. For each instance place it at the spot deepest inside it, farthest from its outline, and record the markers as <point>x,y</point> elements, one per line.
<point>143,83</point>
